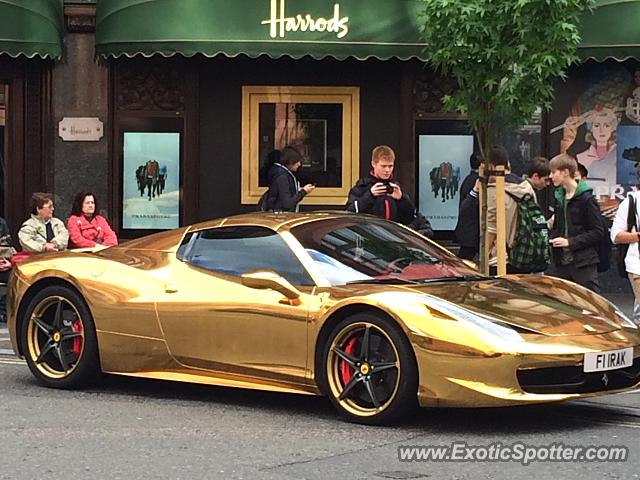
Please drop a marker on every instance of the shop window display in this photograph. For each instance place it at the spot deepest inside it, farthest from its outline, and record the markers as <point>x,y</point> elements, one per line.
<point>322,123</point>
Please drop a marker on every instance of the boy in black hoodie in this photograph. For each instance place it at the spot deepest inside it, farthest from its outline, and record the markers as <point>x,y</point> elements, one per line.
<point>378,194</point>
<point>577,227</point>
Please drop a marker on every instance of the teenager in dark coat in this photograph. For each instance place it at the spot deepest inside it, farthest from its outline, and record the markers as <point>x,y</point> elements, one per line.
<point>468,227</point>
<point>361,200</point>
<point>378,194</point>
<point>470,180</point>
<point>577,228</point>
<point>284,189</point>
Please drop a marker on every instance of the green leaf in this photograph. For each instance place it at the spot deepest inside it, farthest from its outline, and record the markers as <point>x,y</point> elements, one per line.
<point>510,50</point>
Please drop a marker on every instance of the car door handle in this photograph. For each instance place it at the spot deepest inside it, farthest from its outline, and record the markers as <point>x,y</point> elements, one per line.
<point>170,288</point>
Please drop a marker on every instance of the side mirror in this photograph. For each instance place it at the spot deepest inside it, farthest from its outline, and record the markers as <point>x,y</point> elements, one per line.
<point>269,279</point>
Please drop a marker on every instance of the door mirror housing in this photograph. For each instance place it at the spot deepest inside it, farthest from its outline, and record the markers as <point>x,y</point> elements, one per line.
<point>262,279</point>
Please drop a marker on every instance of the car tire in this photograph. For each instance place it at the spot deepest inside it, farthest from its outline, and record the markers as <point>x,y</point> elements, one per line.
<point>372,381</point>
<point>59,339</point>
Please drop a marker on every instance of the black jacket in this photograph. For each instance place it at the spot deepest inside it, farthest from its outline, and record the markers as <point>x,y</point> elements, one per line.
<point>468,227</point>
<point>5,242</point>
<point>467,185</point>
<point>4,228</point>
<point>546,200</point>
<point>580,222</point>
<point>284,190</point>
<point>360,200</point>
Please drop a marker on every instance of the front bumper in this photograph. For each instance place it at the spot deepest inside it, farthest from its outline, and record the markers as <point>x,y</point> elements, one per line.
<point>454,376</point>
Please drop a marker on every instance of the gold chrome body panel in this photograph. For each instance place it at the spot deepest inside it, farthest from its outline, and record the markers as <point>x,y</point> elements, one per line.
<point>158,317</point>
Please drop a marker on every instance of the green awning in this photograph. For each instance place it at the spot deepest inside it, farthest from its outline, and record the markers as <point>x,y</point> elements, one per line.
<point>612,30</point>
<point>31,28</point>
<point>320,28</point>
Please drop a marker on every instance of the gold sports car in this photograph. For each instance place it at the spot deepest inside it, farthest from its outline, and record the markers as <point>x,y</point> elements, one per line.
<point>363,310</point>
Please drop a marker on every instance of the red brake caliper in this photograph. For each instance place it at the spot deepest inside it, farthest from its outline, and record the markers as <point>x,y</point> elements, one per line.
<point>77,341</point>
<point>346,370</point>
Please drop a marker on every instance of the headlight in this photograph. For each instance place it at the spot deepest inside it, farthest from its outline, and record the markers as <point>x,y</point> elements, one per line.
<point>626,321</point>
<point>486,323</point>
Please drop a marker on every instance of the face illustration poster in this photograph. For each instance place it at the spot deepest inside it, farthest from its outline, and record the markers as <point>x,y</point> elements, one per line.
<point>598,123</point>
<point>443,165</point>
<point>151,180</point>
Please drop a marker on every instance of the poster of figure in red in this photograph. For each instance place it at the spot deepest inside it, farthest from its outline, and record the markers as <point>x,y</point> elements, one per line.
<point>151,180</point>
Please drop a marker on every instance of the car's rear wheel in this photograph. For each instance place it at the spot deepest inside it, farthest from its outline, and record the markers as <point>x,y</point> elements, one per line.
<point>370,372</point>
<point>59,339</point>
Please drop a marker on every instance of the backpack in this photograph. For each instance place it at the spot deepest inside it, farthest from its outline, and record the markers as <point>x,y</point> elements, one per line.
<point>152,168</point>
<point>604,248</point>
<point>421,225</point>
<point>530,250</point>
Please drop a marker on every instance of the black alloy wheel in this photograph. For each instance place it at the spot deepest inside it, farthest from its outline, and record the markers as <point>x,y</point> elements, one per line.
<point>59,339</point>
<point>370,371</point>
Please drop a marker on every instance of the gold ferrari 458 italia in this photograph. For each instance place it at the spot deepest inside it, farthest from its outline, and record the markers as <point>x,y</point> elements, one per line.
<point>363,310</point>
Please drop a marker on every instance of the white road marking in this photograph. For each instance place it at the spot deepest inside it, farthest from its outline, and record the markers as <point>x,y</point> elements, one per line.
<point>12,361</point>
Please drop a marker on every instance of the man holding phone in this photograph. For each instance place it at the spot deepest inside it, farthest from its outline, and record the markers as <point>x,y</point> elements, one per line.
<point>577,227</point>
<point>378,194</point>
<point>285,192</point>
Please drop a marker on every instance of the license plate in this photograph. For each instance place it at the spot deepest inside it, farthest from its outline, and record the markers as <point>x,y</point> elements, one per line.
<point>611,360</point>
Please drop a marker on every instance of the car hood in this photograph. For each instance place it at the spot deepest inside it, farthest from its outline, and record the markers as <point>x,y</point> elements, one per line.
<point>535,303</point>
<point>543,305</point>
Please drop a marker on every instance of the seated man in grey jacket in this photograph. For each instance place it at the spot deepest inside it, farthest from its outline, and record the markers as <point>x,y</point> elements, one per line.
<point>42,232</point>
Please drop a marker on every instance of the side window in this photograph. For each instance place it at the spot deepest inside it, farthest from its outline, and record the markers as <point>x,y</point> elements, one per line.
<point>186,246</point>
<point>237,250</point>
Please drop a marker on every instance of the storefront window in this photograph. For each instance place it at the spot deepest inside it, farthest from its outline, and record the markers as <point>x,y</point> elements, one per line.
<point>322,123</point>
<point>314,129</point>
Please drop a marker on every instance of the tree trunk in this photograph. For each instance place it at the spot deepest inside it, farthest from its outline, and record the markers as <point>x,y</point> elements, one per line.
<point>483,145</point>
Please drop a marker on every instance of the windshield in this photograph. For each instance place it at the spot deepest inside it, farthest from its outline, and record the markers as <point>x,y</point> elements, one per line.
<point>364,249</point>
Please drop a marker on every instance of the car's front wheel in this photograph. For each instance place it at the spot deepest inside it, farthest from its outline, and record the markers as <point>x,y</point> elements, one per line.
<point>370,372</point>
<point>59,339</point>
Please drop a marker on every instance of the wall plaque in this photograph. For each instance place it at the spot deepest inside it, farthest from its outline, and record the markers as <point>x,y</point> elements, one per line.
<point>80,129</point>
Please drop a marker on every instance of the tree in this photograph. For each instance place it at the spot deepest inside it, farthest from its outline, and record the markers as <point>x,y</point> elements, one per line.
<point>505,56</point>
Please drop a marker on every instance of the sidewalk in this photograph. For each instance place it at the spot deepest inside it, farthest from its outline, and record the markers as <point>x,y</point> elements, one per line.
<point>5,345</point>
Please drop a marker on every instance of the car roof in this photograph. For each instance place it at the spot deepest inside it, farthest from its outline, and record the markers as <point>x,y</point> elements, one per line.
<point>273,220</point>
<point>169,240</point>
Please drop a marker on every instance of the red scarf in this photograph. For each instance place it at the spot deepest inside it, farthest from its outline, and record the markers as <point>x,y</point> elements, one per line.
<point>387,204</point>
